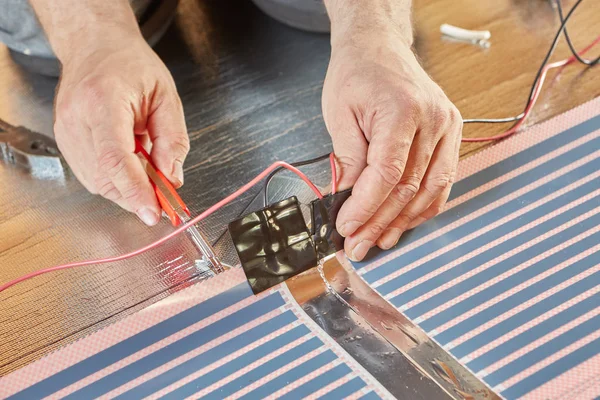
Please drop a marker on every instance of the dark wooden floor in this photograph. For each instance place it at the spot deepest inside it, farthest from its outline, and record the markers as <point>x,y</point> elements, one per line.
<point>251,90</point>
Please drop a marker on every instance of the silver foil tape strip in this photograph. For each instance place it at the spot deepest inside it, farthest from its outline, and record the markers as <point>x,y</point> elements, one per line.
<point>407,362</point>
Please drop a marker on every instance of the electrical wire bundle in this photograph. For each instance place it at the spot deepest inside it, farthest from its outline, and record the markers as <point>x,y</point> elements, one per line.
<point>540,77</point>
<point>276,167</point>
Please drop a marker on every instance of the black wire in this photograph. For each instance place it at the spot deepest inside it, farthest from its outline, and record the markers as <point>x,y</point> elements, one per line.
<point>296,164</point>
<point>538,74</point>
<point>573,50</point>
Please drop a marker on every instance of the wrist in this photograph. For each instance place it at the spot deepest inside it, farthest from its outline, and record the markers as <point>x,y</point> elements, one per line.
<point>362,23</point>
<point>82,33</point>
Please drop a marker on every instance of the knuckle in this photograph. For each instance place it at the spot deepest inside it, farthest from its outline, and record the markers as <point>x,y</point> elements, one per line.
<point>367,208</point>
<point>391,169</point>
<point>375,229</point>
<point>180,144</point>
<point>347,161</point>
<point>98,86</point>
<point>106,189</point>
<point>132,192</point>
<point>413,105</point>
<point>63,108</point>
<point>407,189</point>
<point>455,116</point>
<point>111,160</point>
<point>404,219</point>
<point>437,183</point>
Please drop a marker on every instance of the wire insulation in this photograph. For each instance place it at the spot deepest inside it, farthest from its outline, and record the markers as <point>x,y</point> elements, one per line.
<point>206,213</point>
<point>536,93</point>
<point>295,164</point>
<point>333,174</point>
<point>535,84</point>
<point>570,44</point>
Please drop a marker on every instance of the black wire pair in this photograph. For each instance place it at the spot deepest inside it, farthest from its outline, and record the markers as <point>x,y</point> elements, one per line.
<point>296,164</point>
<point>563,27</point>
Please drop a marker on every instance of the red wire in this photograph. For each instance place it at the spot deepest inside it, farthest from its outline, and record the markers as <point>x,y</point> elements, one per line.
<point>333,173</point>
<point>536,93</point>
<point>177,231</point>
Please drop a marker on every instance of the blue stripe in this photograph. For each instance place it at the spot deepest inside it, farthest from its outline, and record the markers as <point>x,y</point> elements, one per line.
<point>294,374</point>
<point>484,199</point>
<point>522,276</point>
<point>257,373</point>
<point>370,396</point>
<point>553,370</point>
<point>317,383</point>
<point>522,296</point>
<point>178,348</point>
<point>134,344</point>
<point>526,315</point>
<point>217,353</point>
<point>235,365</point>
<point>345,390</point>
<point>490,254</point>
<point>493,172</point>
<point>534,333</point>
<point>545,350</point>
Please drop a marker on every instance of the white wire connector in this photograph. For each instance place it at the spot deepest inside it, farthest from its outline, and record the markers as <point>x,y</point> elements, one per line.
<point>464,34</point>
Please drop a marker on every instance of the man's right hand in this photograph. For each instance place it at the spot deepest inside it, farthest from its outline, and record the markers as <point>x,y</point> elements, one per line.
<point>103,100</point>
<point>113,87</point>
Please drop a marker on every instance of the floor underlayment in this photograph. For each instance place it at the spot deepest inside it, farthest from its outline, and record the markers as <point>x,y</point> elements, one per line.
<point>507,280</point>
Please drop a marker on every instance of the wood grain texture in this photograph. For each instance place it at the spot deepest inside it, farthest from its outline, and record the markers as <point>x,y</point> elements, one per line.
<point>251,90</point>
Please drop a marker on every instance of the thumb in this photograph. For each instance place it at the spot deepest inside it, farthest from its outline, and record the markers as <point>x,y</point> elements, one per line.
<point>170,141</point>
<point>350,148</point>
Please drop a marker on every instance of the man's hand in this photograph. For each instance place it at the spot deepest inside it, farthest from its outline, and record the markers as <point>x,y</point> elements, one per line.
<point>395,134</point>
<point>113,87</point>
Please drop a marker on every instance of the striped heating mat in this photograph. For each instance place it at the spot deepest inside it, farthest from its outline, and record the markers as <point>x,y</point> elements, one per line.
<point>507,280</point>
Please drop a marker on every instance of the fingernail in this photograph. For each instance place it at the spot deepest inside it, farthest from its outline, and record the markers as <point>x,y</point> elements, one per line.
<point>178,172</point>
<point>360,250</point>
<point>348,228</point>
<point>148,216</point>
<point>389,238</point>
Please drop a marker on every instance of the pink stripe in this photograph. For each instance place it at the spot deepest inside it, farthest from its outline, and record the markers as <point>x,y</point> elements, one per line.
<point>490,263</point>
<point>199,350</point>
<point>264,379</point>
<point>570,384</point>
<point>156,346</point>
<point>230,357</point>
<point>550,359</point>
<point>544,339</point>
<point>517,269</point>
<point>530,324</point>
<point>524,305</point>
<point>119,331</point>
<point>468,218</point>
